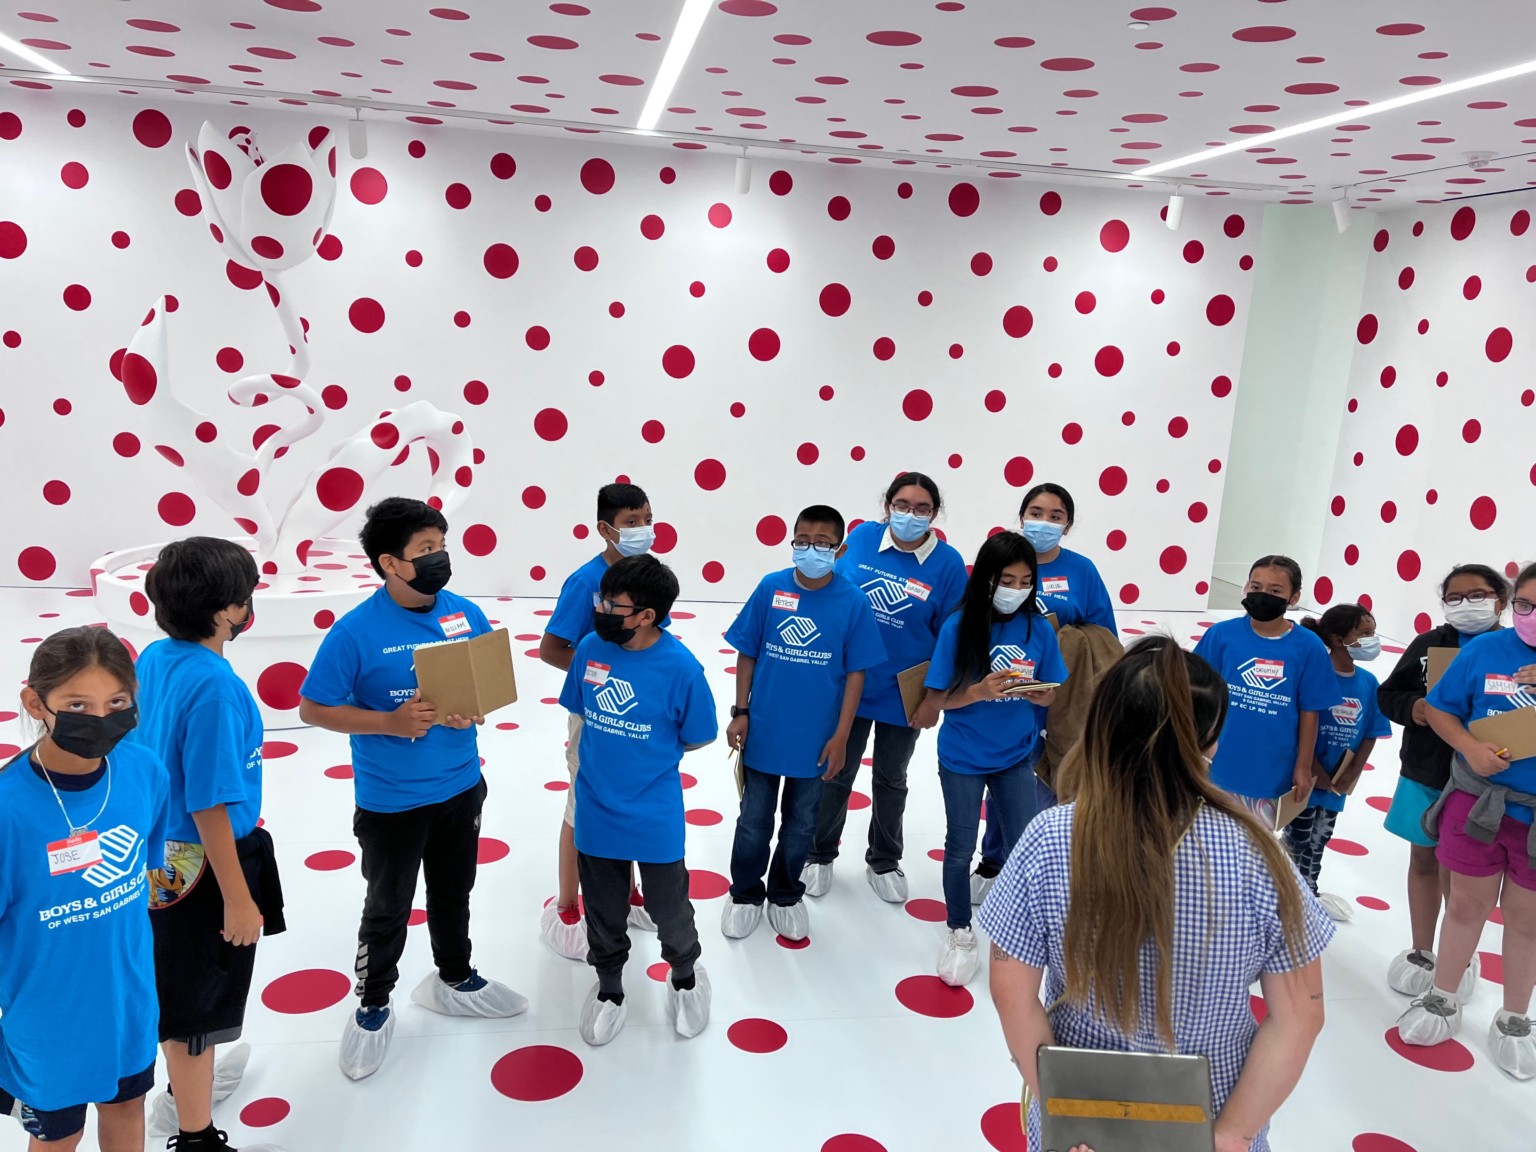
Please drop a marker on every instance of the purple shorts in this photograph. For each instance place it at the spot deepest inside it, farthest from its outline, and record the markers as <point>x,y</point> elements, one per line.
<point>1460,853</point>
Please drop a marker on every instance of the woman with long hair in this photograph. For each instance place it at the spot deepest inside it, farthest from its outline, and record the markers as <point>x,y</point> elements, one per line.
<point>1156,900</point>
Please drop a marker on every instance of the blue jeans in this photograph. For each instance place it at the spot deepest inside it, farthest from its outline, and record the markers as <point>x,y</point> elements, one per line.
<point>754,832</point>
<point>994,852</point>
<point>1010,806</point>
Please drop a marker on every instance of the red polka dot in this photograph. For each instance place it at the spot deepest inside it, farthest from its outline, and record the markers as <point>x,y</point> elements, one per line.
<point>536,1072</point>
<point>1463,222</point>
<point>757,1035</point>
<point>709,475</point>
<point>763,344</point>
<point>491,850</point>
<point>858,801</point>
<point>277,749</point>
<point>1018,321</point>
<point>704,885</point>
<point>479,539</point>
<point>930,996</point>
<point>1347,847</point>
<point>264,1113</point>
<point>839,208</point>
<point>719,215</point>
<point>308,990</point>
<point>597,176</point>
<point>771,530</point>
<point>1450,1056</point>
<point>340,772</point>
<point>366,314</point>
<point>929,911</point>
<point>1498,344</point>
<point>1173,559</point>
<point>1220,309</point>
<point>339,488</point>
<point>36,563</point>
<point>1376,1142</point>
<point>792,945</point>
<point>550,424</point>
<point>369,186</point>
<point>964,199</point>
<point>286,188</point>
<point>1259,1007</point>
<point>1018,471</point>
<point>278,685</point>
<point>702,817</point>
<point>1112,480</point>
<point>1002,1128</point>
<point>835,299</point>
<point>1109,360</point>
<point>329,861</point>
<point>1483,513</point>
<point>659,971</point>
<point>677,361</point>
<point>1407,440</point>
<point>1374,903</point>
<point>1114,236</point>
<point>1408,565</point>
<point>501,261</point>
<point>152,128</point>
<point>176,509</point>
<point>917,405</point>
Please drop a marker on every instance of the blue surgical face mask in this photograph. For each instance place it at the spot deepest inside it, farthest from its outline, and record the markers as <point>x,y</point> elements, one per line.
<point>1366,648</point>
<point>1042,534</point>
<point>635,541</point>
<point>813,565</point>
<point>907,527</point>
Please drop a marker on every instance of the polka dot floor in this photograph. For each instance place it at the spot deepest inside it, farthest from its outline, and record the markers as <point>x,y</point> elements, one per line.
<point>848,1043</point>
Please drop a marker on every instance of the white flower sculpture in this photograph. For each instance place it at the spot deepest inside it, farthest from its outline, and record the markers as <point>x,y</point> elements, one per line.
<point>269,216</point>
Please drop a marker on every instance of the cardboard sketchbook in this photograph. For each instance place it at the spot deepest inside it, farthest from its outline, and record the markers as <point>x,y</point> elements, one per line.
<point>1023,688</point>
<point>1346,775</point>
<point>739,772</point>
<point>912,691</point>
<point>1514,731</point>
<point>1439,659</point>
<point>467,677</point>
<point>1287,809</point>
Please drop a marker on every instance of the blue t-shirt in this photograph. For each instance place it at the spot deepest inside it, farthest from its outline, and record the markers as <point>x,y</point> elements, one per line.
<point>78,1007</point>
<point>1071,587</point>
<point>1270,683</point>
<point>198,717</point>
<point>805,642</point>
<point>572,617</point>
<point>911,599</point>
<point>1480,683</point>
<point>1348,724</point>
<point>367,660</point>
<point>641,710</point>
<point>992,735</point>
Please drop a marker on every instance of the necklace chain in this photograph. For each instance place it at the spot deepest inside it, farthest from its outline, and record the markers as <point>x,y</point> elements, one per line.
<point>37,754</point>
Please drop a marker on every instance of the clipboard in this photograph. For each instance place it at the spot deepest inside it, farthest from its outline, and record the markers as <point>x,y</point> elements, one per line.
<point>1287,808</point>
<point>1347,773</point>
<point>1144,1100</point>
<point>1514,730</point>
<point>739,771</point>
<point>1437,661</point>
<point>912,689</point>
<point>467,677</point>
<point>1029,686</point>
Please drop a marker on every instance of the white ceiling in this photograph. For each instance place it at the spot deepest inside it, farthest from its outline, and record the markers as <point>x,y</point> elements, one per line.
<point>1067,84</point>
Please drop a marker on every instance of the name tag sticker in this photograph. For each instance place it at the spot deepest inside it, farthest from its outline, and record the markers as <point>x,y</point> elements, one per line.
<point>75,854</point>
<point>918,590</point>
<point>455,625</point>
<point>1023,668</point>
<point>787,601</point>
<point>597,674</point>
<point>1500,686</point>
<point>1269,669</point>
<point>1055,586</point>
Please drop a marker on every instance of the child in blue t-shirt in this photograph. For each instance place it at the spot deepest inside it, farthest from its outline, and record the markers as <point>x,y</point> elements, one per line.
<point>625,525</point>
<point>913,580</point>
<point>644,702</point>
<point>417,777</point>
<point>1279,679</point>
<point>804,641</point>
<point>1352,726</point>
<point>1487,853</point>
<point>988,655</point>
<point>82,816</point>
<point>219,891</point>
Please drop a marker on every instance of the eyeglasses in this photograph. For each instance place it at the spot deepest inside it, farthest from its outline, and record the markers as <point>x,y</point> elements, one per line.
<point>914,509</point>
<point>608,607</point>
<point>1523,607</point>
<point>815,546</point>
<point>1456,598</point>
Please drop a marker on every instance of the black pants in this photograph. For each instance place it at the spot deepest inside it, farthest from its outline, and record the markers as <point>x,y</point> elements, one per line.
<point>605,894</point>
<point>443,842</point>
<point>893,751</point>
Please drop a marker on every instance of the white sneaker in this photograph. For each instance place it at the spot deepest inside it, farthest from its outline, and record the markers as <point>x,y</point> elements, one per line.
<point>791,921</point>
<point>640,919</point>
<point>958,957</point>
<point>738,921</point>
<point>569,940</point>
<point>817,879</point>
<point>1469,979</point>
<point>688,1012</point>
<point>1337,907</point>
<point>164,1121</point>
<point>1432,1019</point>
<point>476,996</point>
<point>1513,1046</point>
<point>365,1041</point>
<point>980,886</point>
<point>1412,973</point>
<point>889,886</point>
<point>601,1020</point>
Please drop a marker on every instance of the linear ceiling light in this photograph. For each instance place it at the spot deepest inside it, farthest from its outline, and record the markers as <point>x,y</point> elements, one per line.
<point>1346,117</point>
<point>689,22</point>
<point>7,45</point>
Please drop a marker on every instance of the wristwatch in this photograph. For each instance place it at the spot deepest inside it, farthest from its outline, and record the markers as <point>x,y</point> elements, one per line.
<point>737,711</point>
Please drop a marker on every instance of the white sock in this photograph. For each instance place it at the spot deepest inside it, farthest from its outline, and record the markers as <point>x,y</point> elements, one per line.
<point>1505,1015</point>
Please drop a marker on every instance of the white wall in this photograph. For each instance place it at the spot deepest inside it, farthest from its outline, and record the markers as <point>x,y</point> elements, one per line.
<point>1290,407</point>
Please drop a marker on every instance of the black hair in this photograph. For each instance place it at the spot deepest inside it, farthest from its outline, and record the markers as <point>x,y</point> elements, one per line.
<point>1527,573</point>
<point>615,498</point>
<point>66,654</point>
<point>195,579</point>
<point>649,583</point>
<point>1337,623</point>
<point>391,523</point>
<point>1495,580</point>
<point>822,514</point>
<point>973,646</point>
<point>1055,490</point>
<point>922,481</point>
<point>1284,563</point>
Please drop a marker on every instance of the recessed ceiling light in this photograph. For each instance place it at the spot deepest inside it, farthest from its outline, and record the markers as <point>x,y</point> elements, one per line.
<point>689,23</point>
<point>1138,25</point>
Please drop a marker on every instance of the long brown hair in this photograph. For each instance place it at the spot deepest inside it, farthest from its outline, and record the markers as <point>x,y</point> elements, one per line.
<point>1138,778</point>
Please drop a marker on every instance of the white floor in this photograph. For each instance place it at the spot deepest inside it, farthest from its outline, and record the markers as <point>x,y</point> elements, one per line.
<point>852,1068</point>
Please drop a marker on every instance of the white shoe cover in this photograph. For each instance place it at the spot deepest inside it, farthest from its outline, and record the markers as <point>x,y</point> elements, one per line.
<point>601,1020</point>
<point>640,919</point>
<point>688,1011</point>
<point>958,957</point>
<point>494,1001</point>
<point>738,921</point>
<point>1432,1019</point>
<point>362,1051</point>
<point>1469,979</point>
<point>164,1119</point>
<point>791,921</point>
<point>817,879</point>
<point>568,940</point>
<point>1337,907</point>
<point>889,886</point>
<point>1513,1046</point>
<point>980,886</point>
<point>1411,978</point>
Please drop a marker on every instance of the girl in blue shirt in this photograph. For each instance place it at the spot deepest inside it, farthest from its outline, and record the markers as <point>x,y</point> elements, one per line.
<point>988,653</point>
<point>82,816</point>
<point>1351,726</point>
<point>913,581</point>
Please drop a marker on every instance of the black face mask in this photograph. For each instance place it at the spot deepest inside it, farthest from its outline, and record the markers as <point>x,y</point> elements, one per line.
<point>610,627</point>
<point>92,737</point>
<point>235,629</point>
<point>1265,606</point>
<point>433,571</point>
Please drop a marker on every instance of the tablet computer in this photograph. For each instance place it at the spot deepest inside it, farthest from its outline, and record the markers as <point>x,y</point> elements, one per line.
<point>1125,1100</point>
